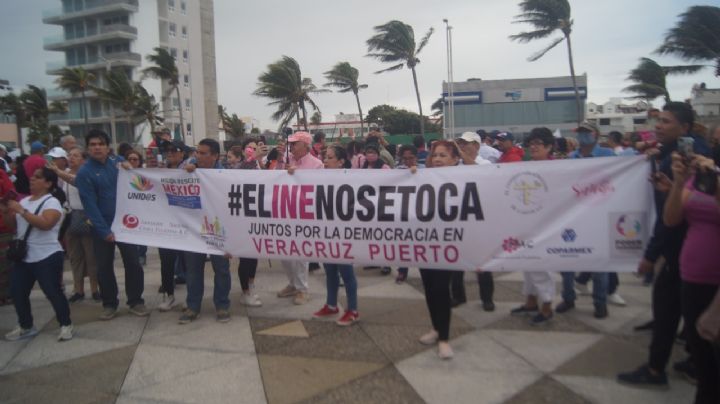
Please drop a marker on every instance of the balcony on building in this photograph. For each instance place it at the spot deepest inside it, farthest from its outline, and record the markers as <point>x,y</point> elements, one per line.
<point>77,10</point>
<point>105,33</point>
<point>120,59</point>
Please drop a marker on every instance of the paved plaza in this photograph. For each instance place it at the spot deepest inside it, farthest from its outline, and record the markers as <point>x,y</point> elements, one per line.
<point>279,354</point>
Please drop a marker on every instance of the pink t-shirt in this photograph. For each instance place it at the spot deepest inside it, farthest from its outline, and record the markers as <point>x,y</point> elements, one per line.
<point>308,161</point>
<point>700,255</point>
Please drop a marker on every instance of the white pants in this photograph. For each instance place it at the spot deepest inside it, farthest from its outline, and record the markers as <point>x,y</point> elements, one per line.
<point>539,284</point>
<point>297,274</point>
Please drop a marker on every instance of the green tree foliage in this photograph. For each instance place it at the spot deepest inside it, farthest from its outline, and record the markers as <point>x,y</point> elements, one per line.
<point>696,37</point>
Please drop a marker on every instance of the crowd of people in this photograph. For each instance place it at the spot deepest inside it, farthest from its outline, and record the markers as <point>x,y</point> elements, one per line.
<point>61,202</point>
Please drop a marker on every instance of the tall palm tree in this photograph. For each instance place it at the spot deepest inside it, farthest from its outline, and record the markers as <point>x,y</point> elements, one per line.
<point>395,42</point>
<point>11,105</point>
<point>547,16</point>
<point>650,79</point>
<point>166,69</point>
<point>344,77</point>
<point>696,36</point>
<point>283,83</point>
<point>121,92</point>
<point>147,107</point>
<point>76,80</point>
<point>37,112</point>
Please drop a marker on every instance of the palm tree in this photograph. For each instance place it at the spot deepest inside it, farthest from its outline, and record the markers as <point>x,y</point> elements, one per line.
<point>316,118</point>
<point>166,69</point>
<point>395,42</point>
<point>121,92</point>
<point>650,79</point>
<point>696,36</point>
<point>147,107</point>
<point>283,83</point>
<point>37,112</point>
<point>547,16</point>
<point>10,105</point>
<point>76,80</point>
<point>344,77</point>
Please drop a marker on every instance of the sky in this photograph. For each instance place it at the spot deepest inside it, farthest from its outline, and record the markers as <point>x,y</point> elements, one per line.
<point>608,38</point>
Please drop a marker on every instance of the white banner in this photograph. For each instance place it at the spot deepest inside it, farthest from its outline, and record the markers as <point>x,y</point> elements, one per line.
<point>575,215</point>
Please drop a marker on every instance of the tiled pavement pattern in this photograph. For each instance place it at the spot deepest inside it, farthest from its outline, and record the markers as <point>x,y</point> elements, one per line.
<point>278,354</point>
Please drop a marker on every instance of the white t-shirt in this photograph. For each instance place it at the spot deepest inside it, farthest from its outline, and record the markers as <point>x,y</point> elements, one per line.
<point>41,243</point>
<point>489,153</point>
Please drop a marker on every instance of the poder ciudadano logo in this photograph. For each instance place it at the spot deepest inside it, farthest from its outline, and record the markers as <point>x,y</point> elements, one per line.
<point>144,186</point>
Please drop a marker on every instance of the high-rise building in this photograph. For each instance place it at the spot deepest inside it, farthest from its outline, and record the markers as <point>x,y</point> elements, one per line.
<point>99,35</point>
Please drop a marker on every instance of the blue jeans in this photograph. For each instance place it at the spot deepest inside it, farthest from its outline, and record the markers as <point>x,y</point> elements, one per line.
<point>45,272</point>
<point>195,266</point>
<point>600,287</point>
<point>333,283</point>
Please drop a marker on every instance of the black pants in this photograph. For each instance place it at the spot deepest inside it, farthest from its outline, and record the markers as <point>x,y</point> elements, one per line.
<point>167,268</point>
<point>457,286</point>
<point>666,307</point>
<point>487,286</point>
<point>613,281</point>
<point>246,271</point>
<point>134,275</point>
<point>22,279</point>
<point>695,299</point>
<point>437,296</point>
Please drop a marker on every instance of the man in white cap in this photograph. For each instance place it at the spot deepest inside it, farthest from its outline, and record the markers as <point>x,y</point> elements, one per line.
<point>299,159</point>
<point>469,145</point>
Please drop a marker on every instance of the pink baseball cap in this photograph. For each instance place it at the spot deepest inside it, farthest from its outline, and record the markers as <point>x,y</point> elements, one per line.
<point>300,137</point>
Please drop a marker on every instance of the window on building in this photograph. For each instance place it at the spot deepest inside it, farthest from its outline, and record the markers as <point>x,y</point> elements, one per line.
<point>175,104</point>
<point>173,53</point>
<point>185,55</point>
<point>117,48</point>
<point>172,29</point>
<point>187,104</point>
<point>186,80</point>
<point>189,128</point>
<point>171,5</point>
<point>184,32</point>
<point>604,121</point>
<point>183,7</point>
<point>639,121</point>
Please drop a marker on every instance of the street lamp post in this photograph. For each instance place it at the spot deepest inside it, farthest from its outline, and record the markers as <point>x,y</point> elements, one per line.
<point>449,117</point>
<point>113,129</point>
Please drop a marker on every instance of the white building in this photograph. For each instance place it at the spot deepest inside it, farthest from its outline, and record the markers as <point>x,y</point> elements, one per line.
<point>345,125</point>
<point>119,34</point>
<point>706,101</point>
<point>615,115</point>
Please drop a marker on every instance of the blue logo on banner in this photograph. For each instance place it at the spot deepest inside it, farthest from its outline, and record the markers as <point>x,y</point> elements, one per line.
<point>188,202</point>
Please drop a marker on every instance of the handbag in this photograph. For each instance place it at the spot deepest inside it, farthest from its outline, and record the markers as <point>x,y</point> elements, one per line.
<point>18,248</point>
<point>79,224</point>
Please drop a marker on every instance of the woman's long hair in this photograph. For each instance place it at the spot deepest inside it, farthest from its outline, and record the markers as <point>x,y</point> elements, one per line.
<point>50,176</point>
<point>379,163</point>
<point>341,154</point>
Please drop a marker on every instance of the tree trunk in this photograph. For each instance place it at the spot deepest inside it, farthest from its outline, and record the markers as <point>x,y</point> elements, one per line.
<point>417,93</point>
<point>304,111</point>
<point>362,127</point>
<point>84,109</point>
<point>182,122</point>
<point>575,87</point>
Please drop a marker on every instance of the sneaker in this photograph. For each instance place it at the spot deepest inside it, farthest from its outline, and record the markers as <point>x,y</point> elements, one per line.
<point>167,304</point>
<point>540,319</point>
<point>289,291</point>
<point>21,333</point>
<point>97,297</point>
<point>642,377</point>
<point>385,270</point>
<point>249,299</point>
<point>326,311</point>
<point>581,289</point>
<point>222,316</point>
<point>617,300</point>
<point>488,306</point>
<point>564,307</point>
<point>76,297</point>
<point>687,370</point>
<point>429,338</point>
<point>600,312</point>
<point>350,317</point>
<point>300,298</point>
<point>188,316</point>
<point>66,333</point>
<point>444,351</point>
<point>523,311</point>
<point>108,313</point>
<point>139,310</point>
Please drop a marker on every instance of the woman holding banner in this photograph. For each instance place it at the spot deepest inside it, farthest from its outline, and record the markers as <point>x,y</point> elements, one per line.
<point>538,285</point>
<point>437,281</point>
<point>336,157</point>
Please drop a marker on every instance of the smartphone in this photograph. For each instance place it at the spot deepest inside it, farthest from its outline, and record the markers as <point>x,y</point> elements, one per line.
<point>685,146</point>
